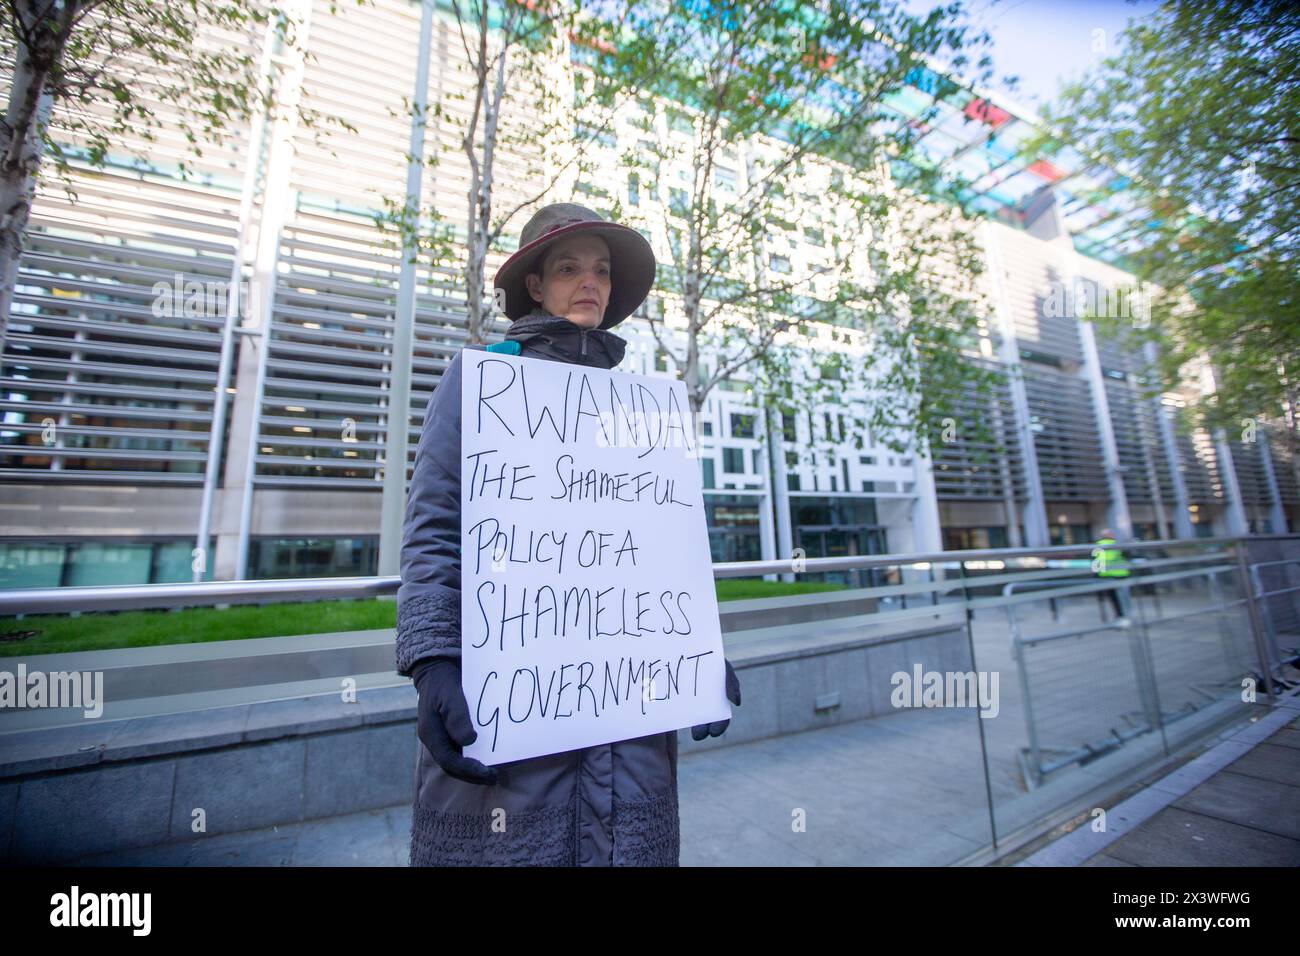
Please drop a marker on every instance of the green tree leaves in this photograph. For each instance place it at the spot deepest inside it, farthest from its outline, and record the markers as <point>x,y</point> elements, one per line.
<point>1200,111</point>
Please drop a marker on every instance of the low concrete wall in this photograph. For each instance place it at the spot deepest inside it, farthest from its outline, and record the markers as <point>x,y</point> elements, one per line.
<point>94,787</point>
<point>211,668</point>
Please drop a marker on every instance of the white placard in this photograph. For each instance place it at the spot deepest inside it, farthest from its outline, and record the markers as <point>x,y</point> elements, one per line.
<point>588,612</point>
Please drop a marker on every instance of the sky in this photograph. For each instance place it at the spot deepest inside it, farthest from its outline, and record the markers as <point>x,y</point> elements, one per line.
<point>1046,41</point>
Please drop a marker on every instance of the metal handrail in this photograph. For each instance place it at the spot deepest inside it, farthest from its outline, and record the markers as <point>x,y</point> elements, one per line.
<point>209,593</point>
<point>203,593</point>
<point>1063,575</point>
<point>735,569</point>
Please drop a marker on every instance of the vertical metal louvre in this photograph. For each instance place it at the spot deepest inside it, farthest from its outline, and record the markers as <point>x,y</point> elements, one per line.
<point>1065,435</point>
<point>1035,286</point>
<point>111,356</point>
<point>324,417</point>
<point>1137,440</point>
<point>975,466</point>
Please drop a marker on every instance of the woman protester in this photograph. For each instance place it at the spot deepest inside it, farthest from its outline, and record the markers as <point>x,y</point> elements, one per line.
<point>574,277</point>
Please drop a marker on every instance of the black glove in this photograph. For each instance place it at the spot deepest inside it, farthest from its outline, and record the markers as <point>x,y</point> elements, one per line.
<point>719,727</point>
<point>444,726</point>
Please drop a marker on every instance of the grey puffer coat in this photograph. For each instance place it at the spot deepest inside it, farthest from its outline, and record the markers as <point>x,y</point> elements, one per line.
<point>615,804</point>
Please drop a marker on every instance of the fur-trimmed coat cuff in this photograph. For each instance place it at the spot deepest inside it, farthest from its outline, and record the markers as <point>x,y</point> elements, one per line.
<point>428,625</point>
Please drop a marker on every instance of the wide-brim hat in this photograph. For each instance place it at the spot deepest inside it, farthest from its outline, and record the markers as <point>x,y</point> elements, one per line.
<point>631,260</point>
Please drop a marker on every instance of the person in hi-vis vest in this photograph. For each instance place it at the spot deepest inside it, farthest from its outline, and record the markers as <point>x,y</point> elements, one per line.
<point>1109,562</point>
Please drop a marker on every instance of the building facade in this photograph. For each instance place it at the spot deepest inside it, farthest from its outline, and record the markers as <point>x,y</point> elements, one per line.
<point>217,348</point>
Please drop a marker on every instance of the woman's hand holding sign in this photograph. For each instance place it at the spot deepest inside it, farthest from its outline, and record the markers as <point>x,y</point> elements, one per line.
<point>719,727</point>
<point>444,726</point>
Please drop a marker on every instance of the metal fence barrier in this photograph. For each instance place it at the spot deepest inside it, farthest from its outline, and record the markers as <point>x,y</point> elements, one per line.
<point>1139,676</point>
<point>1279,618</point>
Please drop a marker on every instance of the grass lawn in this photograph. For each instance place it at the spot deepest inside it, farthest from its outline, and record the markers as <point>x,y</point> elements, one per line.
<point>57,633</point>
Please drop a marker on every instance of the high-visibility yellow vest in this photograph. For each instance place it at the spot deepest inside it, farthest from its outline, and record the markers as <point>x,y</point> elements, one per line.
<point>1113,564</point>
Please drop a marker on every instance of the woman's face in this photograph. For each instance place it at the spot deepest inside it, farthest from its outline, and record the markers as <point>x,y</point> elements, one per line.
<point>575,281</point>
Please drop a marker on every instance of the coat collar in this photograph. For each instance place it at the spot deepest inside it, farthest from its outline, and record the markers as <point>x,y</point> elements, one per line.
<point>555,337</point>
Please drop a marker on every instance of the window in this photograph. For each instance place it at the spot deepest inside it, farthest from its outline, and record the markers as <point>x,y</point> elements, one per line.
<point>312,557</point>
<point>633,190</point>
<point>758,468</point>
<point>590,190</point>
<point>733,528</point>
<point>844,467</point>
<point>661,361</point>
<point>1061,534</point>
<point>788,429</point>
<point>678,202</point>
<point>601,136</point>
<point>48,564</point>
<point>792,482</point>
<point>675,243</point>
<point>726,180</point>
<point>706,427</point>
<point>792,459</point>
<point>974,539</point>
<point>708,478</point>
<point>780,264</point>
<point>742,426</point>
<point>866,459</point>
<point>733,461</point>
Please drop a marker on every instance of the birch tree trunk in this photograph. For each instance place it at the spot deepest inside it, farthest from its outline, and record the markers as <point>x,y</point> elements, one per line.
<point>27,113</point>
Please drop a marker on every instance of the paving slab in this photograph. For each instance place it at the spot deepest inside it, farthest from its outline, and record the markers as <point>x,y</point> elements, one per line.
<point>1286,738</point>
<point>1268,761</point>
<point>1177,837</point>
<point>1248,801</point>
